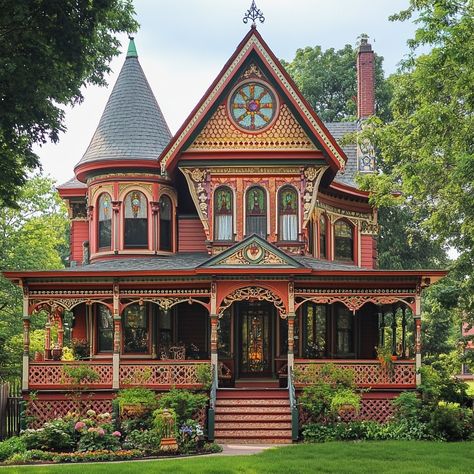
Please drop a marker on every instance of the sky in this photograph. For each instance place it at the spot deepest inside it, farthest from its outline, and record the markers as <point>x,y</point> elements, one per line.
<point>183,44</point>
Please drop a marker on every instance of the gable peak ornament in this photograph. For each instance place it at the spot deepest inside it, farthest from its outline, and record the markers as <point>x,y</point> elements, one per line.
<point>253,13</point>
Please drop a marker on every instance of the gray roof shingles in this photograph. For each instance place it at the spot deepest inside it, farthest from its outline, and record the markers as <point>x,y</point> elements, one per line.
<point>132,126</point>
<point>189,261</point>
<point>338,130</point>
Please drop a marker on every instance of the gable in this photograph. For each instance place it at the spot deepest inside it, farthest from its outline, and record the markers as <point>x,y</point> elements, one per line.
<point>197,136</point>
<point>252,252</point>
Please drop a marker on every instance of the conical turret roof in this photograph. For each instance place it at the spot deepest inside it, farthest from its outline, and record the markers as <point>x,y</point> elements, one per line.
<point>132,126</point>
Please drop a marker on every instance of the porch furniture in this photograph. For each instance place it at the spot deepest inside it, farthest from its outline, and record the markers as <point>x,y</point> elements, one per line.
<point>224,374</point>
<point>177,352</point>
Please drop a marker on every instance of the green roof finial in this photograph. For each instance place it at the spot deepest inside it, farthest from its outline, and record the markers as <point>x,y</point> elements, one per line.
<point>132,50</point>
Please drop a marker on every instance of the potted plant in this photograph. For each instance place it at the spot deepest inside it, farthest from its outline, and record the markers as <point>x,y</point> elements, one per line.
<point>56,353</point>
<point>384,355</point>
<point>80,347</point>
<point>136,402</point>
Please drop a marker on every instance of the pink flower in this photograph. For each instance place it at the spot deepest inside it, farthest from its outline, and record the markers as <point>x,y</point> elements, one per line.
<point>79,425</point>
<point>100,432</point>
<point>91,430</point>
<point>117,433</point>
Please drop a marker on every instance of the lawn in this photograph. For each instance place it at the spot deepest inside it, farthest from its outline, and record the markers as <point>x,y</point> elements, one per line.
<point>363,457</point>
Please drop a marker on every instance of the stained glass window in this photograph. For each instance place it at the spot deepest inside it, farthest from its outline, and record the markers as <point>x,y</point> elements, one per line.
<point>223,212</point>
<point>136,220</point>
<point>288,213</point>
<point>252,106</point>
<point>105,328</point>
<point>135,324</point>
<point>105,221</point>
<point>323,237</point>
<point>166,224</point>
<point>343,241</point>
<point>256,212</point>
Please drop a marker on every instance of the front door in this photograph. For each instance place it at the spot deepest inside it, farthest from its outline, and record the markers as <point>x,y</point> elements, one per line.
<point>254,331</point>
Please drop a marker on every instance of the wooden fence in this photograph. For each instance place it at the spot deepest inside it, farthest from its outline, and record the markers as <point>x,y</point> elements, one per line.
<point>10,408</point>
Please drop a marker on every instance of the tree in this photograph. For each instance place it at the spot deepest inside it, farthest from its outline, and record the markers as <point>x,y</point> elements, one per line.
<point>327,79</point>
<point>427,150</point>
<point>49,49</point>
<point>32,237</point>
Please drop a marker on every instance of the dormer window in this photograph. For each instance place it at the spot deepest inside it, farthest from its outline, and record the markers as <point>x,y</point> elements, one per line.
<point>223,214</point>
<point>343,241</point>
<point>136,220</point>
<point>166,224</point>
<point>288,214</point>
<point>105,222</point>
<point>256,212</point>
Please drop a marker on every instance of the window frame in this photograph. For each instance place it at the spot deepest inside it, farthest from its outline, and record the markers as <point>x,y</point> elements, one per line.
<point>171,224</point>
<point>323,218</point>
<point>98,205</point>
<point>148,316</point>
<point>97,310</point>
<point>353,241</point>
<point>280,213</point>
<point>216,214</point>
<point>263,214</point>
<point>125,218</point>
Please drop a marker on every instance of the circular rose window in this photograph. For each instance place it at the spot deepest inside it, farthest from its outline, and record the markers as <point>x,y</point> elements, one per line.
<point>252,106</point>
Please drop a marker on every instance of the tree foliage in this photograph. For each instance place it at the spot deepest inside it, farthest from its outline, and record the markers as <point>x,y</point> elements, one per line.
<point>327,79</point>
<point>427,152</point>
<point>32,237</point>
<point>49,49</point>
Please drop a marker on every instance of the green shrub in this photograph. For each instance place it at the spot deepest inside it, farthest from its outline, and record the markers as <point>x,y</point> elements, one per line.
<point>211,448</point>
<point>147,441</point>
<point>191,436</point>
<point>184,403</point>
<point>30,456</point>
<point>452,422</point>
<point>407,406</point>
<point>344,397</point>
<point>81,374</point>
<point>204,376</point>
<point>137,396</point>
<point>10,447</point>
<point>101,455</point>
<point>55,435</point>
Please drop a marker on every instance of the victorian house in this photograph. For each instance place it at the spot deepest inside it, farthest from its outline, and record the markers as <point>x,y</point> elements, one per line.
<point>241,243</point>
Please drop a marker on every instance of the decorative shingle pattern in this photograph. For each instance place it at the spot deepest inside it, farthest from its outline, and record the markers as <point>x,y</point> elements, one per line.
<point>132,125</point>
<point>338,130</point>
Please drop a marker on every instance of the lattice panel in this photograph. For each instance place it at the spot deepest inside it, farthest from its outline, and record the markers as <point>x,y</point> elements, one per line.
<point>371,409</point>
<point>40,411</point>
<point>367,374</point>
<point>159,374</point>
<point>44,374</point>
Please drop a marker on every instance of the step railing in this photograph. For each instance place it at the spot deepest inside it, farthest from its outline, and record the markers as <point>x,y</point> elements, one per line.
<point>211,413</point>
<point>293,406</point>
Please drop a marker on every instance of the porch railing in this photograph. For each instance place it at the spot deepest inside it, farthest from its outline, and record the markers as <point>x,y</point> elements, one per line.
<point>162,373</point>
<point>367,373</point>
<point>157,374</point>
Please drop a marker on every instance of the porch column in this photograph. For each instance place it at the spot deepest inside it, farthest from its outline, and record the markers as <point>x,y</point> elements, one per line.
<point>417,317</point>
<point>60,321</point>
<point>117,338</point>
<point>394,330</point>
<point>291,340</point>
<point>404,332</point>
<point>382,328</point>
<point>26,341</point>
<point>47,338</point>
<point>214,321</point>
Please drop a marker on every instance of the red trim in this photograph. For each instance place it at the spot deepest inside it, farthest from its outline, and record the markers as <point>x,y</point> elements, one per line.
<point>82,169</point>
<point>333,161</point>
<point>345,188</point>
<point>251,155</point>
<point>72,192</point>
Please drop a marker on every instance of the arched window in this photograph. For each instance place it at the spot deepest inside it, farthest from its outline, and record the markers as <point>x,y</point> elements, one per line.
<point>223,214</point>
<point>256,212</point>
<point>288,214</point>
<point>343,241</point>
<point>166,224</point>
<point>105,221</point>
<point>136,220</point>
<point>105,329</point>
<point>135,326</point>
<point>323,237</point>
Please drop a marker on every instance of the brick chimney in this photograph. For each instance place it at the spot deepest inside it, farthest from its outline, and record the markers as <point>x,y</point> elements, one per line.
<point>365,80</point>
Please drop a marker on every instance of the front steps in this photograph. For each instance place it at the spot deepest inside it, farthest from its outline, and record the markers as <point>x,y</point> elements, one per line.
<point>252,416</point>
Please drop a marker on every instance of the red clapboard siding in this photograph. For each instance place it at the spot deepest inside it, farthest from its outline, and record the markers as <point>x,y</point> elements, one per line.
<point>367,251</point>
<point>191,235</point>
<point>79,233</point>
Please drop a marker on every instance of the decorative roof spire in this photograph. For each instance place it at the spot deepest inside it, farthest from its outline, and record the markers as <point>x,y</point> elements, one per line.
<point>132,50</point>
<point>253,13</point>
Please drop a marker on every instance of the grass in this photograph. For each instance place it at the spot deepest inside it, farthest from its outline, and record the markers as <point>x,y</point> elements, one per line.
<point>362,457</point>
